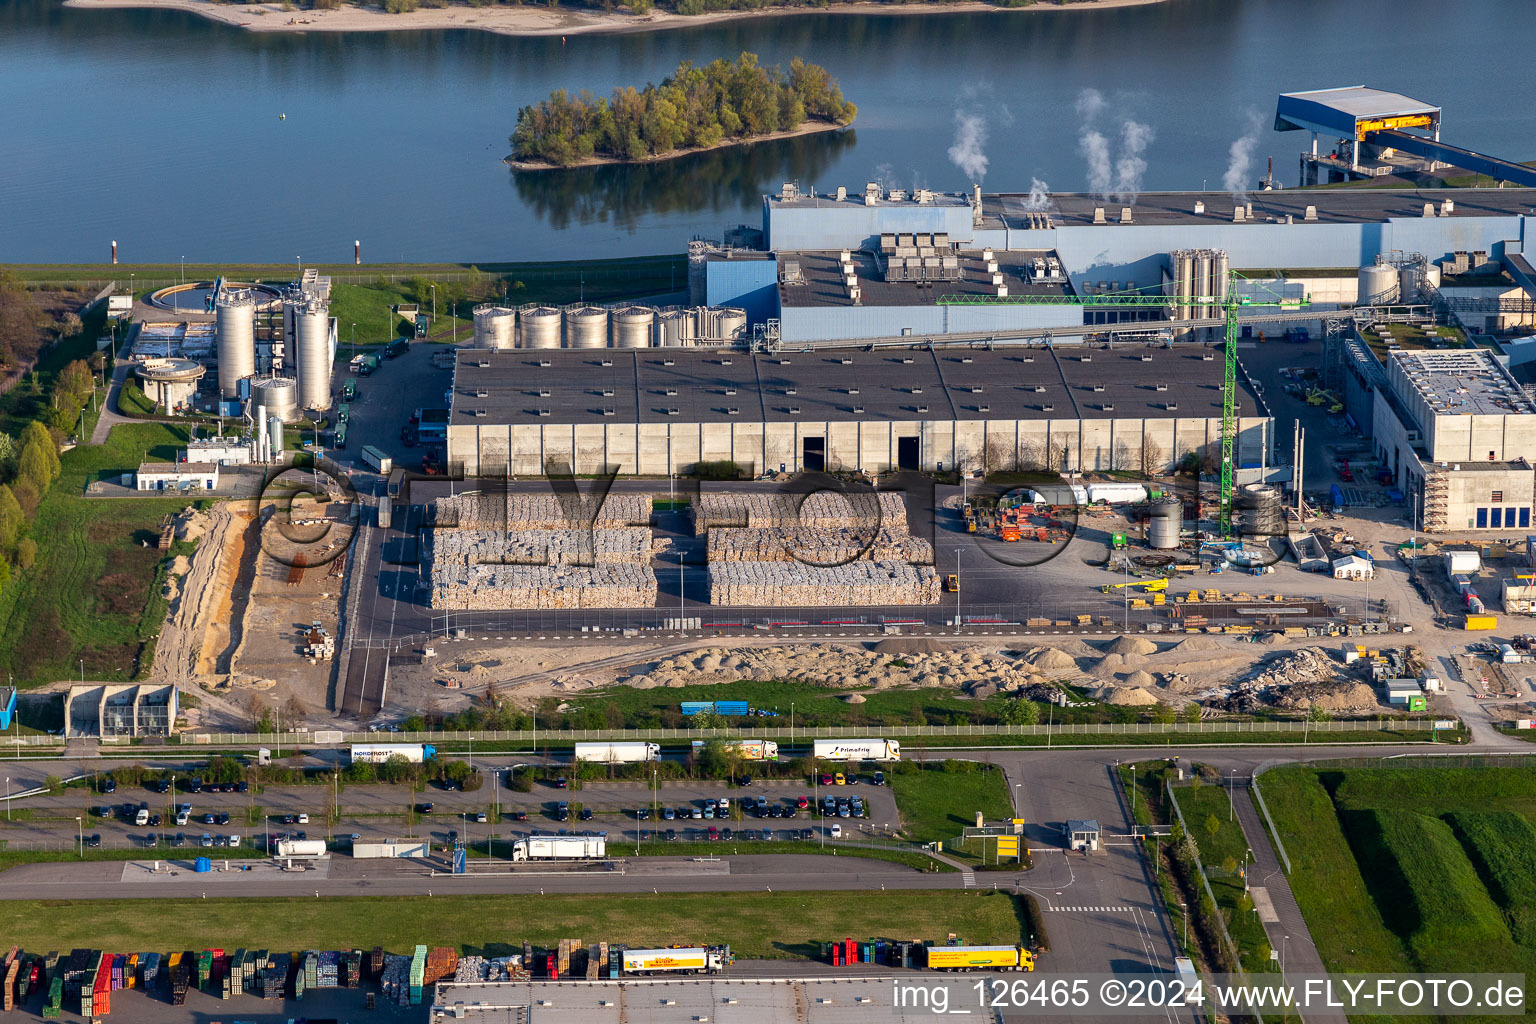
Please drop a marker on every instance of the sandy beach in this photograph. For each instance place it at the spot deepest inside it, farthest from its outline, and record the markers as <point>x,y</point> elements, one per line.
<point>540,21</point>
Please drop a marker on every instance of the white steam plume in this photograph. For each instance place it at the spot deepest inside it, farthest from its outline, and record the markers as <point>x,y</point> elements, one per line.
<point>1090,104</point>
<point>1039,195</point>
<point>1095,150</point>
<point>1135,137</point>
<point>969,150</point>
<point>1240,162</point>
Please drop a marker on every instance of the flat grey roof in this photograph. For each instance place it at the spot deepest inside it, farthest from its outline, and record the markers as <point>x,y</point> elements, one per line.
<point>855,197</point>
<point>824,280</point>
<point>1463,382</point>
<point>696,385</point>
<point>1334,206</point>
<point>1361,101</point>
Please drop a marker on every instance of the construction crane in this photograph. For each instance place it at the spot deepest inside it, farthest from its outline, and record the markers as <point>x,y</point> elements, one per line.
<point>1229,304</point>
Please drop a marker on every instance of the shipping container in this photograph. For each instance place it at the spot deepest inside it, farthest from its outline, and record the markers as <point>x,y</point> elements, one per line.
<point>857,750</point>
<point>1481,622</point>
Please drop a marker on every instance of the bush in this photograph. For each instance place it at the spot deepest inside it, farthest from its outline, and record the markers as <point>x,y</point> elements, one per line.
<point>360,771</point>
<point>724,469</point>
<point>26,552</point>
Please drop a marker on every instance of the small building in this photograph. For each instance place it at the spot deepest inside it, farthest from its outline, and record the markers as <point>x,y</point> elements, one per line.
<point>1309,553</point>
<point>1519,595</point>
<point>226,451</point>
<point>119,305</point>
<point>1461,562</point>
<point>7,707</point>
<point>127,710</point>
<point>1082,834</point>
<point>177,476</point>
<point>1353,567</point>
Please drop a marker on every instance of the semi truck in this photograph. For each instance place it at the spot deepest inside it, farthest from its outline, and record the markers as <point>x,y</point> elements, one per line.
<point>300,848</point>
<point>378,753</point>
<point>980,958</point>
<point>687,960</point>
<point>560,848</point>
<point>748,750</point>
<point>618,753</point>
<point>856,750</point>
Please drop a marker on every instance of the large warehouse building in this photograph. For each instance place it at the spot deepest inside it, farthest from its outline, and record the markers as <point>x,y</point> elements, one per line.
<point>656,411</point>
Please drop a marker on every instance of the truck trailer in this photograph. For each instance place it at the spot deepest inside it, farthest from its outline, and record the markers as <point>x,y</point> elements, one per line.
<point>856,750</point>
<point>378,753</point>
<point>980,958</point>
<point>300,848</point>
<point>748,750</point>
<point>618,753</point>
<point>690,960</point>
<point>560,848</point>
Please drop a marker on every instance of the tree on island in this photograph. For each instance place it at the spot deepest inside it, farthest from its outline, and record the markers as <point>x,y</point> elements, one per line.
<point>697,107</point>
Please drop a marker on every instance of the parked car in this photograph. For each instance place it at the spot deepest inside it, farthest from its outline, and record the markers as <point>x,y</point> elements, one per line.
<point>803,802</point>
<point>745,780</point>
<point>109,785</point>
<point>232,841</point>
<point>563,811</point>
<point>645,835</point>
<point>826,780</point>
<point>519,815</point>
<point>839,779</point>
<point>562,783</point>
<point>714,834</point>
<point>93,841</point>
<point>835,831</point>
<point>879,778</point>
<point>210,818</point>
<point>481,818</point>
<point>183,816</point>
<point>586,814</point>
<point>244,787</point>
<point>668,814</point>
<point>223,818</point>
<point>423,808</point>
<point>725,834</point>
<point>671,835</point>
<point>207,840</point>
<point>304,818</point>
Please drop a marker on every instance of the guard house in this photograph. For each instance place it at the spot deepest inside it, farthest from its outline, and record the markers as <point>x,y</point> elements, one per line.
<point>1083,835</point>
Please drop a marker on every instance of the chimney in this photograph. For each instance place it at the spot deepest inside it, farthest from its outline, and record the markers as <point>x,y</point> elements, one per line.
<point>1125,215</point>
<point>1429,209</point>
<point>842,193</point>
<point>114,251</point>
<point>1248,211</point>
<point>1237,215</point>
<point>1098,215</point>
<point>357,252</point>
<point>1310,214</point>
<point>1199,206</point>
<point>1447,207</point>
<point>978,196</point>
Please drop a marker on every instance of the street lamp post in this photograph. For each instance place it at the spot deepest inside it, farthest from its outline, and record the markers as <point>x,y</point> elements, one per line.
<point>434,304</point>
<point>958,553</point>
<point>1184,912</point>
<point>7,798</point>
<point>80,835</point>
<point>1231,794</point>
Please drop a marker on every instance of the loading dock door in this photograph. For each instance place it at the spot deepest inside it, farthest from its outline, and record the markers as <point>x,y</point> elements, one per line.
<point>813,454</point>
<point>908,453</point>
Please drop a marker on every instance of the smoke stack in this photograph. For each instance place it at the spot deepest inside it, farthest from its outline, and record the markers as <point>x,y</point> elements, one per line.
<point>978,196</point>
<point>114,252</point>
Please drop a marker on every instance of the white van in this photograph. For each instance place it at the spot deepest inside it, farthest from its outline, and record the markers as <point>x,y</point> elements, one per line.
<point>836,831</point>
<point>142,818</point>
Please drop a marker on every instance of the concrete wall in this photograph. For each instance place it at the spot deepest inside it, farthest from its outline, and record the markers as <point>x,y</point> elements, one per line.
<point>1470,504</point>
<point>659,448</point>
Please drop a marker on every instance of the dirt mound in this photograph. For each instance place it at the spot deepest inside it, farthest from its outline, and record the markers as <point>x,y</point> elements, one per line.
<point>1130,645</point>
<point>1140,677</point>
<point>1126,695</point>
<point>1049,659</point>
<point>1345,695</point>
<point>1109,664</point>
<point>911,645</point>
<point>1197,643</point>
<point>853,698</point>
<point>1272,639</point>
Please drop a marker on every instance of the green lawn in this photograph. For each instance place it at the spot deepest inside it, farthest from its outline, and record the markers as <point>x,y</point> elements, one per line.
<point>94,592</point>
<point>756,924</point>
<point>935,805</point>
<point>1502,847</point>
<point>1222,854</point>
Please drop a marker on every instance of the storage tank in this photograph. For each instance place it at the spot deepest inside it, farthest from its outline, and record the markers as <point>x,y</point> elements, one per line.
<point>314,357</point>
<point>1164,526</point>
<point>1259,511</point>
<point>540,326</point>
<point>674,328</point>
<point>633,326</point>
<point>1202,281</point>
<point>495,326</point>
<point>235,333</point>
<point>276,397</point>
<point>1432,275</point>
<point>274,436</point>
<point>586,327</point>
<point>1378,285</point>
<point>1408,284</point>
<point>730,324</point>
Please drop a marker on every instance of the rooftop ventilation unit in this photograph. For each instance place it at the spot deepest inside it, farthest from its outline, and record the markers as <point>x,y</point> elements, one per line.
<point>545,362</point>
<point>1048,407</point>
<point>1310,213</point>
<point>669,362</point>
<point>1098,215</point>
<point>794,410</point>
<point>922,408</point>
<point>607,362</point>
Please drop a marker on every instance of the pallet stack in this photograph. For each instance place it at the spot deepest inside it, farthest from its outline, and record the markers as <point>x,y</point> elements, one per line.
<point>784,584</point>
<point>442,962</point>
<point>616,546</point>
<point>395,979</point>
<point>498,587</point>
<point>418,975</point>
<point>54,1007</point>
<point>519,512</point>
<point>823,510</point>
<point>816,546</point>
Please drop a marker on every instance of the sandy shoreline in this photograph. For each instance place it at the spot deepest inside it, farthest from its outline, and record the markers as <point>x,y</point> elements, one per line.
<point>808,128</point>
<point>533,21</point>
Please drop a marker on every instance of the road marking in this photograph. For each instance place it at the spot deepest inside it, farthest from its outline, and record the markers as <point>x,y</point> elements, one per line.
<point>1263,904</point>
<point>1090,910</point>
<point>967,878</point>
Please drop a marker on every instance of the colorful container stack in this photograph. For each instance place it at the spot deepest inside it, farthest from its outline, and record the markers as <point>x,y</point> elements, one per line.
<point>101,989</point>
<point>149,970</point>
<point>441,963</point>
<point>396,979</point>
<point>418,975</point>
<point>54,1008</point>
<point>181,978</point>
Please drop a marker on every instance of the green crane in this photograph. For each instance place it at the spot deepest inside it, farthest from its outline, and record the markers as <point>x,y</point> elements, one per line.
<point>1229,304</point>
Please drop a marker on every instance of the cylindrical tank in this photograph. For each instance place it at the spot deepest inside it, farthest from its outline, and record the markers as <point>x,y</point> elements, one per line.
<point>540,326</point>
<point>495,326</point>
<point>1167,519</point>
<point>586,327</point>
<point>1432,275</point>
<point>1220,275</point>
<point>276,397</point>
<point>633,326</point>
<point>235,331</point>
<point>1259,510</point>
<point>730,324</point>
<point>697,281</point>
<point>275,436</point>
<point>1408,284</point>
<point>674,328</point>
<point>314,357</point>
<point>1184,278</point>
<point>1378,285</point>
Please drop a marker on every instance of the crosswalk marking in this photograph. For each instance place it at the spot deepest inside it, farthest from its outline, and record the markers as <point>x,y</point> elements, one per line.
<point>968,878</point>
<point>1090,910</point>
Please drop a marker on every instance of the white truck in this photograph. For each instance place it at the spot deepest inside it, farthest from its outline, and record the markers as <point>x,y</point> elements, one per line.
<point>617,752</point>
<point>378,753</point>
<point>749,750</point>
<point>856,750</point>
<point>688,960</point>
<point>300,848</point>
<point>560,848</point>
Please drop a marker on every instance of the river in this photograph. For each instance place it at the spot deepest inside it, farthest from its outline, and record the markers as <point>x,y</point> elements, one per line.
<point>161,130</point>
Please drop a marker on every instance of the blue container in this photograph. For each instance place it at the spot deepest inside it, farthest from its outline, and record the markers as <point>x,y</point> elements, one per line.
<point>731,707</point>
<point>697,707</point>
<point>202,864</point>
<point>1336,495</point>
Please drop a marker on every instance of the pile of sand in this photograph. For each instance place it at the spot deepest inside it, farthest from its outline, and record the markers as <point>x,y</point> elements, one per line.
<point>1140,677</point>
<point>911,645</point>
<point>1197,643</point>
<point>1126,695</point>
<point>1272,639</point>
<point>853,698</point>
<point>1130,645</point>
<point>1049,659</point>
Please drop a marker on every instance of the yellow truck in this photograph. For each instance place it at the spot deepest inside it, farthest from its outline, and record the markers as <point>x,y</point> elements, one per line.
<point>980,958</point>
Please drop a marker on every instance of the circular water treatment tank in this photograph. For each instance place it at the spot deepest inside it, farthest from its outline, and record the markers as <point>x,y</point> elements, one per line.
<point>276,396</point>
<point>540,326</point>
<point>1167,520</point>
<point>586,327</point>
<point>1378,285</point>
<point>633,326</point>
<point>495,326</point>
<point>235,333</point>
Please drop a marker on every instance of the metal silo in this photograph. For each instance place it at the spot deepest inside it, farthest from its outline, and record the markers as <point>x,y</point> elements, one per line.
<point>1378,285</point>
<point>275,436</point>
<point>1258,511</point>
<point>540,326</point>
<point>1164,526</point>
<point>276,397</point>
<point>1203,281</point>
<point>586,327</point>
<point>633,326</point>
<point>235,332</point>
<point>495,326</point>
<point>674,327</point>
<point>730,324</point>
<point>1221,268</point>
<point>314,356</point>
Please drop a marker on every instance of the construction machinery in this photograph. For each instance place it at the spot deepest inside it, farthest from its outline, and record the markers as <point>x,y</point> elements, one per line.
<point>952,583</point>
<point>1145,586</point>
<point>1229,304</point>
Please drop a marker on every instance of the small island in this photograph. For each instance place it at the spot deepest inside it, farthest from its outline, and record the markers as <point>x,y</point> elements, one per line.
<point>723,103</point>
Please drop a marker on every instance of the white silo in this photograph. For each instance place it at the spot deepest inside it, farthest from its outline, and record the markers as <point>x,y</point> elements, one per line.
<point>1378,285</point>
<point>314,357</point>
<point>730,325</point>
<point>674,327</point>
<point>495,326</point>
<point>633,326</point>
<point>276,397</point>
<point>540,326</point>
<point>586,327</point>
<point>235,333</point>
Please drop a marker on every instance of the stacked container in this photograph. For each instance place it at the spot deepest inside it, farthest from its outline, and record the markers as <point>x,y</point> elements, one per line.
<point>418,975</point>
